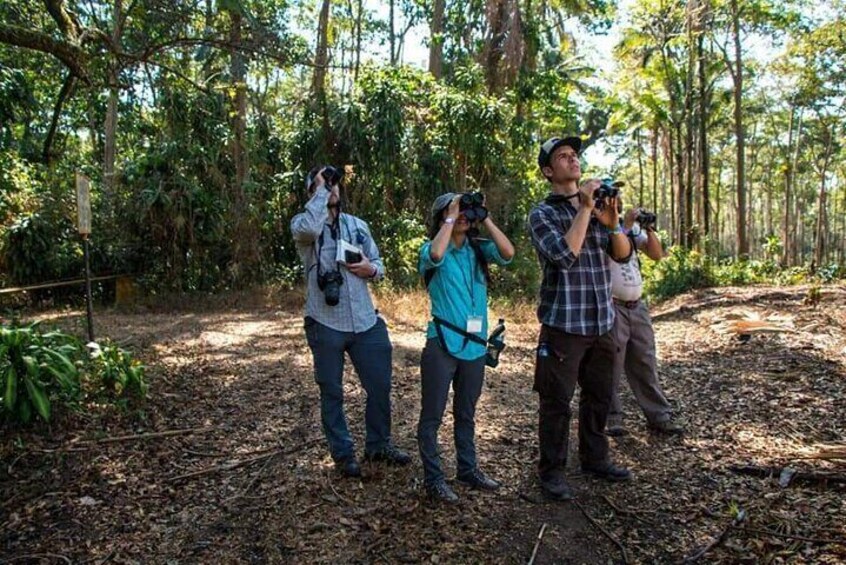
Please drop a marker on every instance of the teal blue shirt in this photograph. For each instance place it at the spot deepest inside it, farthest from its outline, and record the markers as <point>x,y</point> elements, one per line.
<point>458,291</point>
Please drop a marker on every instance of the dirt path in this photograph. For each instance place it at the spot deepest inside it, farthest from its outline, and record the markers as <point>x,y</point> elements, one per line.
<point>261,487</point>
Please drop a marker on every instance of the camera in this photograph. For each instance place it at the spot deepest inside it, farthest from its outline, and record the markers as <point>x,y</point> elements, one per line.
<point>496,343</point>
<point>472,206</point>
<point>332,176</point>
<point>646,219</point>
<point>607,189</point>
<point>330,283</point>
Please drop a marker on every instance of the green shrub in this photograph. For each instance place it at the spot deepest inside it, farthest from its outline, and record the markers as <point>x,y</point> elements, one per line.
<point>38,249</point>
<point>34,368</point>
<point>681,270</point>
<point>39,369</point>
<point>116,371</point>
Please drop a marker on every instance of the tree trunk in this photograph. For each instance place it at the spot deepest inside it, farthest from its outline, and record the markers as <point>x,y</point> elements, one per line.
<point>321,54</point>
<point>742,237</point>
<point>358,16</point>
<point>110,143</point>
<point>819,245</point>
<point>639,167</point>
<point>392,32</point>
<point>245,238</point>
<point>683,226</point>
<point>436,40</point>
<point>655,134</point>
<point>690,238</point>
<point>704,98</point>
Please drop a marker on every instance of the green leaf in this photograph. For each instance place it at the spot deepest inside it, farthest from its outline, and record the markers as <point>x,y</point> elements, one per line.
<point>39,398</point>
<point>11,394</point>
<point>24,411</point>
<point>68,368</point>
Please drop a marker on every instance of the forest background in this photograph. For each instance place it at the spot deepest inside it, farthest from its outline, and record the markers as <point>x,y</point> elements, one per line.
<point>197,121</point>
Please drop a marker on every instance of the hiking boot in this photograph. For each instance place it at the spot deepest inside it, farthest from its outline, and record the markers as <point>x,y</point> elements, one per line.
<point>608,472</point>
<point>556,488</point>
<point>615,430</point>
<point>441,492</point>
<point>390,454</point>
<point>348,466</point>
<point>476,479</point>
<point>667,427</point>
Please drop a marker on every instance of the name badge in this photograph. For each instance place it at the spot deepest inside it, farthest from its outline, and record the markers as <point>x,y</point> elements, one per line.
<point>474,324</point>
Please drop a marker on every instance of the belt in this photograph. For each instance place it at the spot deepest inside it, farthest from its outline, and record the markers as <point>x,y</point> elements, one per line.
<point>630,304</point>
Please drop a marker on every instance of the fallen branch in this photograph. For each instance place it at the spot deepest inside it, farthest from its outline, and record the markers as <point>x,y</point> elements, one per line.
<point>791,536</point>
<point>337,494</point>
<point>602,529</point>
<point>624,512</point>
<point>38,556</point>
<point>537,544</point>
<point>739,517</point>
<point>826,452</point>
<point>804,476</point>
<point>254,480</point>
<point>243,462</point>
<point>150,435</point>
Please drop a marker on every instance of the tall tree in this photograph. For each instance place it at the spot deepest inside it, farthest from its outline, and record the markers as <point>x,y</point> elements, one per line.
<point>436,40</point>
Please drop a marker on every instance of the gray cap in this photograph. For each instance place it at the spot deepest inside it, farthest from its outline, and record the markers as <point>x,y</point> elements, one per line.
<point>442,202</point>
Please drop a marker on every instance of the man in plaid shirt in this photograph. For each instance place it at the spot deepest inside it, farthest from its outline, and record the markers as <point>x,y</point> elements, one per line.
<point>572,235</point>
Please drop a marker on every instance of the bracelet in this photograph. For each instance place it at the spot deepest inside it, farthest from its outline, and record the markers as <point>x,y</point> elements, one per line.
<point>617,229</point>
<point>449,220</point>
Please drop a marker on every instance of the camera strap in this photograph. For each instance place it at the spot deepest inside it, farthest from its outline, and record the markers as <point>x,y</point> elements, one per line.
<point>334,230</point>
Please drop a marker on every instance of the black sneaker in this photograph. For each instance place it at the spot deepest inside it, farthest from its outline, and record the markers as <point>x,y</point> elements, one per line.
<point>668,427</point>
<point>615,430</point>
<point>608,472</point>
<point>441,492</point>
<point>556,488</point>
<point>390,454</point>
<point>348,467</point>
<point>478,480</point>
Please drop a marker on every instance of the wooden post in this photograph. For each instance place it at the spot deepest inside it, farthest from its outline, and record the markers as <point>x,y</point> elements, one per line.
<point>83,206</point>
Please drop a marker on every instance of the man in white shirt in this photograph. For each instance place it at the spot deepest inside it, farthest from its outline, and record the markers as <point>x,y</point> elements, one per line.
<point>635,337</point>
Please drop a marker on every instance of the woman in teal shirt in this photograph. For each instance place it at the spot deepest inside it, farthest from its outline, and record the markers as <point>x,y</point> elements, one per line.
<point>454,263</point>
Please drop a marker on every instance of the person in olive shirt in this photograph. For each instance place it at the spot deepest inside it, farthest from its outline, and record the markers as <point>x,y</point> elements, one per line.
<point>455,265</point>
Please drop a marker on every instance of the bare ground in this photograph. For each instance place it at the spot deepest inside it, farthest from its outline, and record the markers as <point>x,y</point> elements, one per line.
<point>253,482</point>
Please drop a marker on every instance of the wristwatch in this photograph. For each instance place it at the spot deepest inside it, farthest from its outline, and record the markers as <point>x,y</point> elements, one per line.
<point>635,231</point>
<point>449,220</point>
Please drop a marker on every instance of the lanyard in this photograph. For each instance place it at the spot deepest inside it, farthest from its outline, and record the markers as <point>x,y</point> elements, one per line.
<point>470,286</point>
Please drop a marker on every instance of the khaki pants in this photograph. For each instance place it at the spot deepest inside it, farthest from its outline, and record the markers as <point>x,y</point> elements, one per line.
<point>635,340</point>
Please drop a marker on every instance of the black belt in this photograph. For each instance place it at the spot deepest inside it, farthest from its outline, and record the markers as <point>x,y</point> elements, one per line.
<point>630,304</point>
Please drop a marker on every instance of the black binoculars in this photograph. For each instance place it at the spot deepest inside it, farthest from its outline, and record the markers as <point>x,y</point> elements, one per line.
<point>646,219</point>
<point>472,206</point>
<point>331,175</point>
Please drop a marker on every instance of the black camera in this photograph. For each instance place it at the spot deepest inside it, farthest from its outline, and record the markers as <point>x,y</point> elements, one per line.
<point>331,175</point>
<point>646,219</point>
<point>472,206</point>
<point>330,283</point>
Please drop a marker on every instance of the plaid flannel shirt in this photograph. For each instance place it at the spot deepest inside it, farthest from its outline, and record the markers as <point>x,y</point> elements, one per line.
<point>575,294</point>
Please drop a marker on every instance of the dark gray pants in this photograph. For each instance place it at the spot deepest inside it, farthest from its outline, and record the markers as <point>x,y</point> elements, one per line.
<point>438,369</point>
<point>635,340</point>
<point>370,352</point>
<point>562,361</point>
